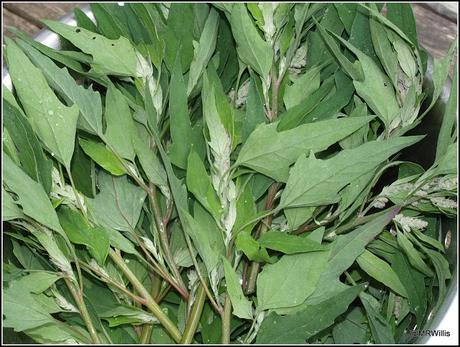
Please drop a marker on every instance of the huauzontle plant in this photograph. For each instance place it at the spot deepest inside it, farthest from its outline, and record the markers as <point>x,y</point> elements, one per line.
<point>224,173</point>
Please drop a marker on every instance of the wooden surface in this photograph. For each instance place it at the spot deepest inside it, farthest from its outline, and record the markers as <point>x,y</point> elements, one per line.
<point>436,31</point>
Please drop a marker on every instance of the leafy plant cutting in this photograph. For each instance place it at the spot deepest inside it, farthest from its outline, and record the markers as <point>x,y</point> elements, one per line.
<point>225,173</point>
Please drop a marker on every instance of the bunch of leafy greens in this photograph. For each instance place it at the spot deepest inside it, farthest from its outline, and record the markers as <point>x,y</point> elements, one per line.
<point>224,173</point>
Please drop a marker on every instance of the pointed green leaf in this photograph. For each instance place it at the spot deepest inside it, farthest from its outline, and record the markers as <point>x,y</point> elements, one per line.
<point>10,210</point>
<point>381,271</point>
<point>315,182</point>
<point>291,280</point>
<point>110,57</point>
<point>381,329</point>
<point>120,130</point>
<point>180,126</point>
<point>252,49</point>
<point>298,327</point>
<point>80,232</point>
<point>413,255</point>
<point>103,156</point>
<point>30,154</point>
<point>118,204</point>
<point>271,152</point>
<point>31,196</point>
<point>289,244</point>
<point>200,185</point>
<point>204,49</point>
<point>54,123</point>
<point>242,307</point>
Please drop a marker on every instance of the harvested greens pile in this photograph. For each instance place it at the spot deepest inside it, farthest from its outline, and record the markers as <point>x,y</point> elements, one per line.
<point>225,173</point>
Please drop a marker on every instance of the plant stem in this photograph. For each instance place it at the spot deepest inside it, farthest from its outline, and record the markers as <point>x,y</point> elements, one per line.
<point>263,227</point>
<point>161,227</point>
<point>194,317</point>
<point>149,302</point>
<point>111,282</point>
<point>146,332</point>
<point>78,297</point>
<point>226,319</point>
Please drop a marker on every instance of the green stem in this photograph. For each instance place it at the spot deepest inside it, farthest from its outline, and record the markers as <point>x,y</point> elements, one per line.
<point>251,284</point>
<point>226,319</point>
<point>78,297</point>
<point>194,317</point>
<point>146,333</point>
<point>149,302</point>
<point>161,227</point>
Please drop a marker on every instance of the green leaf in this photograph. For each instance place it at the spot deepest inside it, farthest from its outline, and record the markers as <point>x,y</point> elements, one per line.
<point>271,152</point>
<point>54,123</point>
<point>242,307</point>
<point>251,248</point>
<point>291,280</point>
<point>87,100</point>
<point>145,14</point>
<point>255,113</point>
<point>200,185</point>
<point>246,210</point>
<point>402,16</point>
<point>83,20</point>
<point>429,240</point>
<point>348,247</point>
<point>441,69</point>
<point>103,156</point>
<point>31,196</point>
<point>205,235</point>
<point>347,13</point>
<point>374,86</point>
<point>178,36</point>
<point>56,333</point>
<point>383,49</point>
<point>353,329</point>
<point>203,50</point>
<point>180,126</point>
<point>153,168</point>
<point>289,244</point>
<point>83,171</point>
<point>448,121</point>
<point>118,204</point>
<point>298,215</point>
<point>441,267</point>
<point>80,232</point>
<point>381,271</point>
<point>298,327</point>
<point>380,328</point>
<point>414,283</point>
<point>110,57</point>
<point>120,130</point>
<point>303,112</point>
<point>315,182</point>
<point>21,309</point>
<point>413,255</point>
<point>125,314</point>
<point>302,87</point>
<point>252,49</point>
<point>120,242</point>
<point>30,154</point>
<point>213,96</point>
<point>332,104</point>
<point>62,58</point>
<point>10,210</point>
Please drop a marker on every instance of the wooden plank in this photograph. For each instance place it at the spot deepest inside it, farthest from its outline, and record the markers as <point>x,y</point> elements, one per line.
<point>11,19</point>
<point>435,32</point>
<point>448,10</point>
<point>36,12</point>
